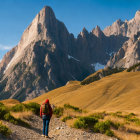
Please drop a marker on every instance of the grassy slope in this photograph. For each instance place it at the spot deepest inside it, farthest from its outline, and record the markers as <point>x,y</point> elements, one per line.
<point>119,91</point>
<point>10,102</point>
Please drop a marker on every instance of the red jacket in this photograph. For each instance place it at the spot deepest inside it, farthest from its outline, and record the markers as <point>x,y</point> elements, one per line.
<point>50,109</point>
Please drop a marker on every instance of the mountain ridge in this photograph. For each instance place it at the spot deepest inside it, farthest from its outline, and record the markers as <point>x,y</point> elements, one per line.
<point>48,56</point>
<point>124,28</point>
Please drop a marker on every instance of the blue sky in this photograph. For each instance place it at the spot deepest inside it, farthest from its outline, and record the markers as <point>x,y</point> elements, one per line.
<point>16,15</point>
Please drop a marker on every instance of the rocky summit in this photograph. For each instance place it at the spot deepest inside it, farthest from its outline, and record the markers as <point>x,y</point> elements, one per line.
<point>125,28</point>
<point>48,56</point>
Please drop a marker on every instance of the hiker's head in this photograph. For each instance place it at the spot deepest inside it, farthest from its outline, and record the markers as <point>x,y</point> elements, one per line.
<point>47,101</point>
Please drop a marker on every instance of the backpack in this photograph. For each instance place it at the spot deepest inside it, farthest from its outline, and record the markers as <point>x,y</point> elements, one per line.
<point>45,109</point>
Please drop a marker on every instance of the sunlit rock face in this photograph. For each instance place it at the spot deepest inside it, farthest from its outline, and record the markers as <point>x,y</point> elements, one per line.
<point>125,28</point>
<point>128,55</point>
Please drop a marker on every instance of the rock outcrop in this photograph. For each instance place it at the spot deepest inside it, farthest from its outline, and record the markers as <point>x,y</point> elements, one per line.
<point>128,55</point>
<point>126,28</point>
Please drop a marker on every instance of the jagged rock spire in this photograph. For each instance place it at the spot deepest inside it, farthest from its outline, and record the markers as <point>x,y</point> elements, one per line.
<point>98,32</point>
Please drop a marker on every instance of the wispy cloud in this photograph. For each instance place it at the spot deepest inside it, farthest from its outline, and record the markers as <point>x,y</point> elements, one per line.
<point>5,47</point>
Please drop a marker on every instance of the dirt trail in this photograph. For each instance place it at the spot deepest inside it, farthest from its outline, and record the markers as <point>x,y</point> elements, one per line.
<point>58,131</point>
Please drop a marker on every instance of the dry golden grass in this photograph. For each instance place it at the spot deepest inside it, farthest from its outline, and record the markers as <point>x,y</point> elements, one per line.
<point>119,91</point>
<point>126,136</point>
<point>10,102</point>
<point>22,115</point>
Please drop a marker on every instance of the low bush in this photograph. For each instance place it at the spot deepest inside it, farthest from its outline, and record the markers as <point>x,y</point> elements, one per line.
<point>66,118</point>
<point>109,133</point>
<point>4,130</point>
<point>102,127</point>
<point>115,125</point>
<point>34,107</point>
<point>8,117</point>
<point>5,115</point>
<point>85,122</point>
<point>72,107</point>
<point>58,111</point>
<point>132,118</point>
<point>3,110</point>
<point>19,108</point>
<point>1,104</point>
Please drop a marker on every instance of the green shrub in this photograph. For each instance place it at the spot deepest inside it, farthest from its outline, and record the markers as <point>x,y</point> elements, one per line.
<point>5,115</point>
<point>109,133</point>
<point>19,108</point>
<point>104,73</point>
<point>132,114</point>
<point>66,118</point>
<point>4,130</point>
<point>115,125</point>
<point>72,107</point>
<point>58,111</point>
<point>1,104</point>
<point>131,118</point>
<point>85,122</point>
<point>3,110</point>
<point>34,107</point>
<point>8,117</point>
<point>102,127</point>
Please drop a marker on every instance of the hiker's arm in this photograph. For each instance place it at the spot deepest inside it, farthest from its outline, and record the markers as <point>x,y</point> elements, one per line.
<point>50,110</point>
<point>41,111</point>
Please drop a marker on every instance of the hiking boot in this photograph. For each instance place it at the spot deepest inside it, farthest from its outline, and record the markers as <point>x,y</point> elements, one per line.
<point>47,137</point>
<point>43,135</point>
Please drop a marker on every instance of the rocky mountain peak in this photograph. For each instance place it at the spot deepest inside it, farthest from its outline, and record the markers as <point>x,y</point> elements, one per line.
<point>137,15</point>
<point>46,17</point>
<point>114,29</point>
<point>84,32</point>
<point>119,22</point>
<point>97,32</point>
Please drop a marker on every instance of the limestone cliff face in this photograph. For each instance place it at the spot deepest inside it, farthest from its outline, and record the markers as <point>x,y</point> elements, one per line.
<point>94,47</point>
<point>128,55</point>
<point>127,28</point>
<point>7,58</point>
<point>41,61</point>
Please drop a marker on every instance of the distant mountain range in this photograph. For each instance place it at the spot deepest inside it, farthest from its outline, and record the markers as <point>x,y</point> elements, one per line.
<point>48,56</point>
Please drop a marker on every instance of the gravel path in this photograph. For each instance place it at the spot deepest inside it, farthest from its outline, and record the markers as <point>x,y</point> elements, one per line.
<point>58,131</point>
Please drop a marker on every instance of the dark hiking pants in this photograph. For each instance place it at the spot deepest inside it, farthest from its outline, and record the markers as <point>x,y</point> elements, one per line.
<point>46,121</point>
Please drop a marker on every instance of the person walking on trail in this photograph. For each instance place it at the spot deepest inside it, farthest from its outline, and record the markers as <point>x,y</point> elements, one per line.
<point>46,114</point>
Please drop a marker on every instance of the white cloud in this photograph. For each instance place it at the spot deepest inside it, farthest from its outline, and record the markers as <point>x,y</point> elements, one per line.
<point>5,47</point>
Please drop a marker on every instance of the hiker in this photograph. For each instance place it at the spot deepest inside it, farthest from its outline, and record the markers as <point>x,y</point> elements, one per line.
<point>46,114</point>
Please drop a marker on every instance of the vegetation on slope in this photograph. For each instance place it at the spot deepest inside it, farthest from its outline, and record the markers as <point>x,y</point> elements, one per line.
<point>133,68</point>
<point>108,123</point>
<point>4,130</point>
<point>6,115</point>
<point>100,74</point>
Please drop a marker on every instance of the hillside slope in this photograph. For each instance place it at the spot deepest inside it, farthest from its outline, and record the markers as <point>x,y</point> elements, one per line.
<point>115,92</point>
